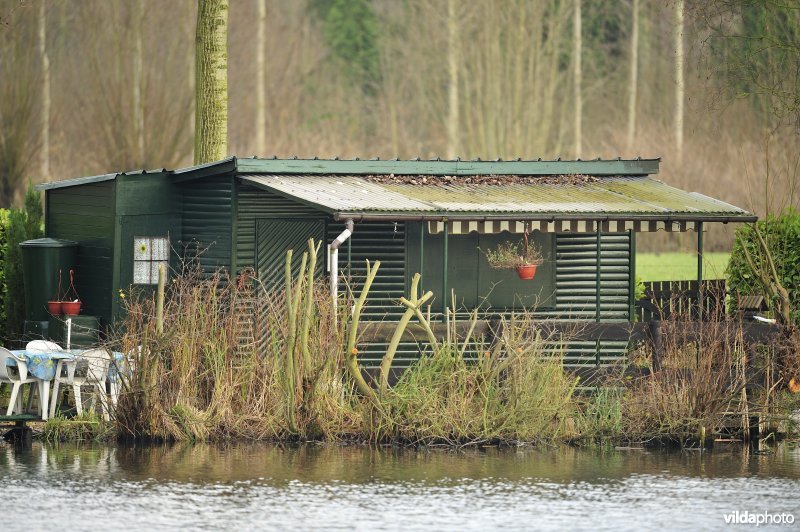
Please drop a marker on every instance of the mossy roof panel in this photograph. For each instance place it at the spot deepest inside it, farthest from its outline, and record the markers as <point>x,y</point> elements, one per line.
<point>639,197</point>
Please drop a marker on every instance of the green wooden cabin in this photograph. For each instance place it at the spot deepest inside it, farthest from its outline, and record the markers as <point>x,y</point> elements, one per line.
<point>428,216</point>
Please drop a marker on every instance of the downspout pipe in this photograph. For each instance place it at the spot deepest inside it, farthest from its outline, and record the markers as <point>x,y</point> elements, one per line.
<point>334,258</point>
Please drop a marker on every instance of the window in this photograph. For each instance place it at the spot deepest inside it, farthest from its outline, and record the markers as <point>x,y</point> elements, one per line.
<point>148,254</point>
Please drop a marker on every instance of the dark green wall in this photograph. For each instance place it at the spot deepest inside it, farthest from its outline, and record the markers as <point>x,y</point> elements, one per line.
<point>470,276</point>
<point>576,285</point>
<point>255,204</point>
<point>86,214</point>
<point>208,205</point>
<point>576,276</point>
<point>283,223</point>
<point>146,205</point>
<point>373,241</point>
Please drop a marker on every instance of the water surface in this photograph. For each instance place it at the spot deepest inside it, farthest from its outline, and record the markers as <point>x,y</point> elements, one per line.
<point>330,487</point>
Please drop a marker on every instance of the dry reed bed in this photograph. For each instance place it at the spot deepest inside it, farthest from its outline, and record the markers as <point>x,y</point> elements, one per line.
<point>238,361</point>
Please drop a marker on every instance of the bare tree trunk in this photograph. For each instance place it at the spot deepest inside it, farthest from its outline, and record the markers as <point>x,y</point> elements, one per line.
<point>453,144</point>
<point>138,81</point>
<point>261,80</point>
<point>577,80</point>
<point>211,93</point>
<point>634,79</point>
<point>679,83</point>
<point>192,78</point>
<point>45,116</point>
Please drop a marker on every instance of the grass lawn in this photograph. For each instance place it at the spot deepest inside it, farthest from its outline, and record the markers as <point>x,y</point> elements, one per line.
<point>679,266</point>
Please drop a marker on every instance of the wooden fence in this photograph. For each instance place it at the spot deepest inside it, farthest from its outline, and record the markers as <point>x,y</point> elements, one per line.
<point>665,300</point>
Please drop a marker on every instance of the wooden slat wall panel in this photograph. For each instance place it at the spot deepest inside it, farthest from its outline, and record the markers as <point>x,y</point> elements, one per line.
<point>254,204</point>
<point>207,220</point>
<point>576,287</point>
<point>384,241</point>
<point>86,214</point>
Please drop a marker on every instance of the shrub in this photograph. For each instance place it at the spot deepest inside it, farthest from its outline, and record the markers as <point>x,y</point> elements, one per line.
<point>782,234</point>
<point>16,226</point>
<point>14,303</point>
<point>703,376</point>
<point>34,214</point>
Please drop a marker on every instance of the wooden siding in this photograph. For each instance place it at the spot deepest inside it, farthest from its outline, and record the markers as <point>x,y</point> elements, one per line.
<point>207,215</point>
<point>471,278</point>
<point>254,204</point>
<point>86,214</point>
<point>151,193</point>
<point>576,286</point>
<point>383,241</point>
<point>146,205</point>
<point>576,281</point>
<point>571,279</point>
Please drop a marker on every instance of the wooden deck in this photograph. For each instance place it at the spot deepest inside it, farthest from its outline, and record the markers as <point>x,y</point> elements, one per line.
<point>16,429</point>
<point>18,419</point>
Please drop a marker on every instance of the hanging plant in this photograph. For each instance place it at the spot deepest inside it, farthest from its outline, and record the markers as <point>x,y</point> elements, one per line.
<point>71,306</point>
<point>522,256</point>
<point>54,305</point>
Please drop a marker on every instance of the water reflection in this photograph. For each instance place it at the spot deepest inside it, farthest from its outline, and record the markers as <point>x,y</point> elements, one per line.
<point>390,488</point>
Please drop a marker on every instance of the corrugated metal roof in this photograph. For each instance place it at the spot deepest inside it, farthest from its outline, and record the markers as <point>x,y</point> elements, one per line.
<point>432,167</point>
<point>605,167</point>
<point>628,197</point>
<point>76,181</point>
<point>92,179</point>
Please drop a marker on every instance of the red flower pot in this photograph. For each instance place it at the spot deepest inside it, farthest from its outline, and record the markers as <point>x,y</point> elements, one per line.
<point>71,308</point>
<point>54,307</point>
<point>527,271</point>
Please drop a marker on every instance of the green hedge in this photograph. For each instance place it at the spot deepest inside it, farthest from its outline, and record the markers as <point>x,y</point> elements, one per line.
<point>782,234</point>
<point>16,226</point>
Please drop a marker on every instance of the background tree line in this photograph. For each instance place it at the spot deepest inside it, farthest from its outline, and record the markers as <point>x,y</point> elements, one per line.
<point>95,86</point>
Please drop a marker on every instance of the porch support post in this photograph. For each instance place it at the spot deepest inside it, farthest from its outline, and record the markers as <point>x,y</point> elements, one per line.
<point>631,274</point>
<point>700,271</point>
<point>444,270</point>
<point>349,255</point>
<point>421,249</point>
<point>597,291</point>
<point>597,276</point>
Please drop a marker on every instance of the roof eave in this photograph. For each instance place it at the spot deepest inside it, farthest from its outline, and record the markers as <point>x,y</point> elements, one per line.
<point>264,186</point>
<point>76,181</point>
<point>365,216</point>
<point>204,170</point>
<point>597,167</point>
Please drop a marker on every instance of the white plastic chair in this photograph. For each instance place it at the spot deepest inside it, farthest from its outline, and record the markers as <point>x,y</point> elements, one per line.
<point>90,369</point>
<point>65,374</point>
<point>16,375</point>
<point>45,346</point>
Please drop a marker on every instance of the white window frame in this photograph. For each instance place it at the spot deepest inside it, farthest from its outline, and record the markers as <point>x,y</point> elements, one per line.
<point>149,251</point>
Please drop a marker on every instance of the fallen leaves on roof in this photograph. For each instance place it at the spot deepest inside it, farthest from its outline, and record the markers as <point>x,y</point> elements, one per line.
<point>442,180</point>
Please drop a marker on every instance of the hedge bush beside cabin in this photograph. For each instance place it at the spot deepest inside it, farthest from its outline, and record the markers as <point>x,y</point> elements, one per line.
<point>782,234</point>
<point>16,226</point>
